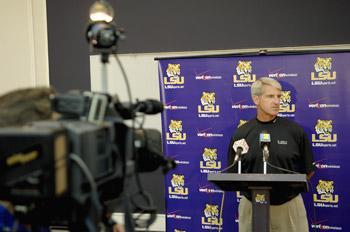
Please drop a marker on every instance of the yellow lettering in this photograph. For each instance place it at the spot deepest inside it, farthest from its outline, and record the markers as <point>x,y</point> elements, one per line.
<point>175,136</point>
<point>322,138</point>
<point>204,222</point>
<point>244,78</point>
<point>178,191</point>
<point>323,76</point>
<point>174,80</point>
<point>210,165</point>
<point>21,158</point>
<point>287,109</point>
<point>326,198</point>
<point>333,77</point>
<point>211,221</point>
<point>209,109</point>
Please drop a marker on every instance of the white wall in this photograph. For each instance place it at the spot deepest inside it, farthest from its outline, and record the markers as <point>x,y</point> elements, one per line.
<point>142,73</point>
<point>23,44</point>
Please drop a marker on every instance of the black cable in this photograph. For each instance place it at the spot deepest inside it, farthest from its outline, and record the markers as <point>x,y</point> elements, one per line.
<point>131,146</point>
<point>150,208</point>
<point>126,81</point>
<point>94,195</point>
<point>281,169</point>
<point>233,164</point>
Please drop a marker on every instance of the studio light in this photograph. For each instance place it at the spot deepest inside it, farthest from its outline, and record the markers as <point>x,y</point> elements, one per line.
<point>102,33</point>
<point>101,11</point>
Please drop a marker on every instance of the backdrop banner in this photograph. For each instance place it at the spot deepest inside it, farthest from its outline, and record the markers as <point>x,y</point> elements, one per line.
<point>207,98</point>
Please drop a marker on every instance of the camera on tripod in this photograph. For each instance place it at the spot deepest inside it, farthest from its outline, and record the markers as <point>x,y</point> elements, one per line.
<point>64,171</point>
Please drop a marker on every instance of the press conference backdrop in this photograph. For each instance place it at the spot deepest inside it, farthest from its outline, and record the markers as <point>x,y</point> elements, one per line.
<point>207,98</point>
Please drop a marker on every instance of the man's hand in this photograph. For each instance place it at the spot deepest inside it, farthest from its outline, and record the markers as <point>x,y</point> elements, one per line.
<point>118,228</point>
<point>309,175</point>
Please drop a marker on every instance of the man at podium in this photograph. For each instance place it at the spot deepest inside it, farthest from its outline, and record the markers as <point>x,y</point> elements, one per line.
<point>289,151</point>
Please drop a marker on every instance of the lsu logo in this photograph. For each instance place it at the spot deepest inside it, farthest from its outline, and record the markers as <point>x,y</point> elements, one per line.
<point>210,159</point>
<point>208,103</point>
<point>175,128</point>
<point>285,103</point>
<point>260,198</point>
<point>211,215</point>
<point>244,70</point>
<point>324,130</point>
<point>173,75</point>
<point>241,123</point>
<point>177,185</point>
<point>325,190</point>
<point>176,230</point>
<point>323,68</point>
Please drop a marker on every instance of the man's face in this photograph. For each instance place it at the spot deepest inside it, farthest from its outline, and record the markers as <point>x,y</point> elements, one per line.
<point>268,103</point>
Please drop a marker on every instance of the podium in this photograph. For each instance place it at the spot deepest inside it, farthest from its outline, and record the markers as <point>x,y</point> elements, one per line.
<point>259,185</point>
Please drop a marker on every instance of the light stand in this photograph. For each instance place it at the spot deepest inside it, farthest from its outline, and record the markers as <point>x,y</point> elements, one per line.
<point>102,35</point>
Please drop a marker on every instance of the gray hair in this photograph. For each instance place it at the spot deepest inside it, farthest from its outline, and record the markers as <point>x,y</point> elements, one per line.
<point>256,89</point>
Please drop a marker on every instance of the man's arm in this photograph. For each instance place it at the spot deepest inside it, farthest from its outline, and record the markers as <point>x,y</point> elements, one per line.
<point>307,156</point>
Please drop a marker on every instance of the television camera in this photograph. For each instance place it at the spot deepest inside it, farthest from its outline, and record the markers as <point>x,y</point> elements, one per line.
<point>66,171</point>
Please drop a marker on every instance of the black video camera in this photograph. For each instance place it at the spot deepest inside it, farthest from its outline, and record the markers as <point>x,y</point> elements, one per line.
<point>64,171</point>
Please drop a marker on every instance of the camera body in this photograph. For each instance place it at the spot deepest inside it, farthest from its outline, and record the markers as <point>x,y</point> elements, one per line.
<point>38,174</point>
<point>34,163</point>
<point>40,169</point>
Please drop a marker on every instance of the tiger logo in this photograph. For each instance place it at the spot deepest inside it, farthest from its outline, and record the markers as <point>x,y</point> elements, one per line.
<point>260,198</point>
<point>244,68</point>
<point>209,155</point>
<point>211,211</point>
<point>208,98</point>
<point>241,122</point>
<point>178,181</point>
<point>285,98</point>
<point>323,65</point>
<point>324,127</point>
<point>173,70</point>
<point>175,126</point>
<point>325,187</point>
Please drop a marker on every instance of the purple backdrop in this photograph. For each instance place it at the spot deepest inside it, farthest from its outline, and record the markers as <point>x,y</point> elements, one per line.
<point>208,98</point>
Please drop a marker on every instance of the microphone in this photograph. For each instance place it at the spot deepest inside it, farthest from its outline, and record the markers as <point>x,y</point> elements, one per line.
<point>240,147</point>
<point>264,141</point>
<point>148,106</point>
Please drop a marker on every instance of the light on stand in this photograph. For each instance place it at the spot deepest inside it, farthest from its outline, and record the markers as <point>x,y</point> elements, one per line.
<point>101,11</point>
<point>102,33</point>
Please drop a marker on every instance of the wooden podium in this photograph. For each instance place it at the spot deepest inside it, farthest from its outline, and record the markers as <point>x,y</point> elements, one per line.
<point>260,186</point>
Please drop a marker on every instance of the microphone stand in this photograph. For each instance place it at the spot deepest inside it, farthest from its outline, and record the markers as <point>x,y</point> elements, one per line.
<point>238,159</point>
<point>239,166</point>
<point>265,158</point>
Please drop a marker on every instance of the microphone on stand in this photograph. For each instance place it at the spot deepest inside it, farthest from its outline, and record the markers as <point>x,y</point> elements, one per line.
<point>148,106</point>
<point>265,141</point>
<point>240,147</point>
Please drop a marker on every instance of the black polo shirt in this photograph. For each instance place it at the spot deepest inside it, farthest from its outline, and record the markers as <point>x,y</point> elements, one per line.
<point>289,149</point>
